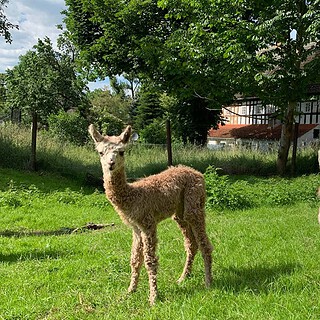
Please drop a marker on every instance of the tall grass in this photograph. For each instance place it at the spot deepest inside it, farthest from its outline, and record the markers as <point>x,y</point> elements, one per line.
<point>53,155</point>
<point>63,157</point>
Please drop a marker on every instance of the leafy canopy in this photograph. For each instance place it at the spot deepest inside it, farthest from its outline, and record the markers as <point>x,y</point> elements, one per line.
<point>44,81</point>
<point>5,25</point>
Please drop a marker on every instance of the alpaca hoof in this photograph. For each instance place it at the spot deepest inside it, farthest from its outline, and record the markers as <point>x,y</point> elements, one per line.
<point>183,277</point>
<point>180,280</point>
<point>132,289</point>
<point>208,283</point>
<point>152,301</point>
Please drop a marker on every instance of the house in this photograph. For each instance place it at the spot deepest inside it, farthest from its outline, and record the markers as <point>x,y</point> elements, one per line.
<point>250,123</point>
<point>257,136</point>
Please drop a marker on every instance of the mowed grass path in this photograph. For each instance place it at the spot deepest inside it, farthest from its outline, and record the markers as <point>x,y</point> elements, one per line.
<point>266,260</point>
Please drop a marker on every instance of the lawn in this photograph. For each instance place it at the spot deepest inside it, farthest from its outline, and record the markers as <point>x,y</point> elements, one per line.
<point>266,258</point>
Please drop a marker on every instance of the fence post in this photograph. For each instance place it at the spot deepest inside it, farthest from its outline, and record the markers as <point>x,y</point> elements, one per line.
<point>169,147</point>
<point>294,148</point>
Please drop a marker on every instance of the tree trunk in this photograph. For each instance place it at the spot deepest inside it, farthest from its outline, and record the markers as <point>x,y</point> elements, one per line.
<point>169,146</point>
<point>286,138</point>
<point>33,164</point>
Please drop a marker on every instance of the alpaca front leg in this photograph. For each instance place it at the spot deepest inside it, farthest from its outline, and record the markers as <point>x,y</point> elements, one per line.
<point>149,239</point>
<point>136,259</point>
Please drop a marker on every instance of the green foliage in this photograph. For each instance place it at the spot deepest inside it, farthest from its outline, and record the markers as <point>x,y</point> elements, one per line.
<point>280,192</point>
<point>155,132</point>
<point>21,195</point>
<point>110,113</point>
<point>221,194</point>
<point>211,50</point>
<point>69,126</point>
<point>44,82</point>
<point>191,119</point>
<point>56,155</point>
<point>17,196</point>
<point>4,109</point>
<point>148,107</point>
<point>5,24</point>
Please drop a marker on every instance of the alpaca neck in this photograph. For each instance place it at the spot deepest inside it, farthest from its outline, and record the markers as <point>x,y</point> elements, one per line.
<point>116,187</point>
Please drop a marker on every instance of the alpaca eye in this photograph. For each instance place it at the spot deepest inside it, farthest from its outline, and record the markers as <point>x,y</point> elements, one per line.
<point>101,154</point>
<point>121,153</point>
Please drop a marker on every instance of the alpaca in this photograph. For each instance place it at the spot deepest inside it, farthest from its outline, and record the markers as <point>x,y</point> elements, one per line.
<point>177,192</point>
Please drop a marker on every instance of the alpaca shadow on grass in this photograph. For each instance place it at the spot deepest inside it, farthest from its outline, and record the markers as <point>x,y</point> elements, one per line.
<point>256,279</point>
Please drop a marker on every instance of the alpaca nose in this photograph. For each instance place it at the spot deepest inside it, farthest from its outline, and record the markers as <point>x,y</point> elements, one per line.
<point>111,161</point>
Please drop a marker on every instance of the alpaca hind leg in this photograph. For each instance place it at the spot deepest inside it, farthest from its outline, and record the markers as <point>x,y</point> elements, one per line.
<point>136,259</point>
<point>205,247</point>
<point>190,245</point>
<point>149,239</point>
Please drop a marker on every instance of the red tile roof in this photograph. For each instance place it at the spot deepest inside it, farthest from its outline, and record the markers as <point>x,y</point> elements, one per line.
<point>254,131</point>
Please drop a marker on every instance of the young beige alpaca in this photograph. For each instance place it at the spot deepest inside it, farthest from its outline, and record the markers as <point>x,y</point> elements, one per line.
<point>177,191</point>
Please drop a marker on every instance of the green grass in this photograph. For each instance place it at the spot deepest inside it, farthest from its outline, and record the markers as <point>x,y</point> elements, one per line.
<point>266,258</point>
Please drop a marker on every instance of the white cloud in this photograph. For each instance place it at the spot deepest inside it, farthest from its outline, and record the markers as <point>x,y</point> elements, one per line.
<point>99,84</point>
<point>36,19</point>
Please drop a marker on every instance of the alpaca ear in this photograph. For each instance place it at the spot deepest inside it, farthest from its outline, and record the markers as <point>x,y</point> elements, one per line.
<point>125,135</point>
<point>96,136</point>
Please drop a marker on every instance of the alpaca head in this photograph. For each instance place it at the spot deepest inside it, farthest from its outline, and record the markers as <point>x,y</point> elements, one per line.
<point>111,148</point>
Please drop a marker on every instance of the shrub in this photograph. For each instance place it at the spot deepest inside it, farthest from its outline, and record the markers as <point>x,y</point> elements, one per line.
<point>17,196</point>
<point>154,132</point>
<point>110,125</point>
<point>280,192</point>
<point>70,126</point>
<point>221,194</point>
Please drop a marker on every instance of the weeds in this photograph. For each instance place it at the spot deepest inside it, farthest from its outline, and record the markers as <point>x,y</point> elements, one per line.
<point>222,193</point>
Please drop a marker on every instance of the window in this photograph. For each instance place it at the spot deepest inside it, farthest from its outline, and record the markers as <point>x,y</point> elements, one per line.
<point>316,133</point>
<point>308,107</point>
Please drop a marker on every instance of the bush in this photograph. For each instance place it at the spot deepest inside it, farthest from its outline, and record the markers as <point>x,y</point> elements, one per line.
<point>17,196</point>
<point>221,194</point>
<point>154,133</point>
<point>257,192</point>
<point>70,126</point>
<point>281,192</point>
<point>110,125</point>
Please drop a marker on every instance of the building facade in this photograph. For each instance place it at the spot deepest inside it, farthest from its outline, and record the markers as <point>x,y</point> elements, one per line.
<point>250,123</point>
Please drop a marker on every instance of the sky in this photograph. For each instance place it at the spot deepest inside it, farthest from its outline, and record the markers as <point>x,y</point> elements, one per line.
<point>36,19</point>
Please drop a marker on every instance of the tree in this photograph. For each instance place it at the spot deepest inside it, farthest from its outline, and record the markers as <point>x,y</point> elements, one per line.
<point>273,44</point>
<point>5,25</point>
<point>289,52</point>
<point>271,48</point>
<point>210,49</point>
<point>43,82</point>
<point>148,107</point>
<point>3,108</point>
<point>109,112</point>
<point>141,38</point>
<point>191,119</point>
